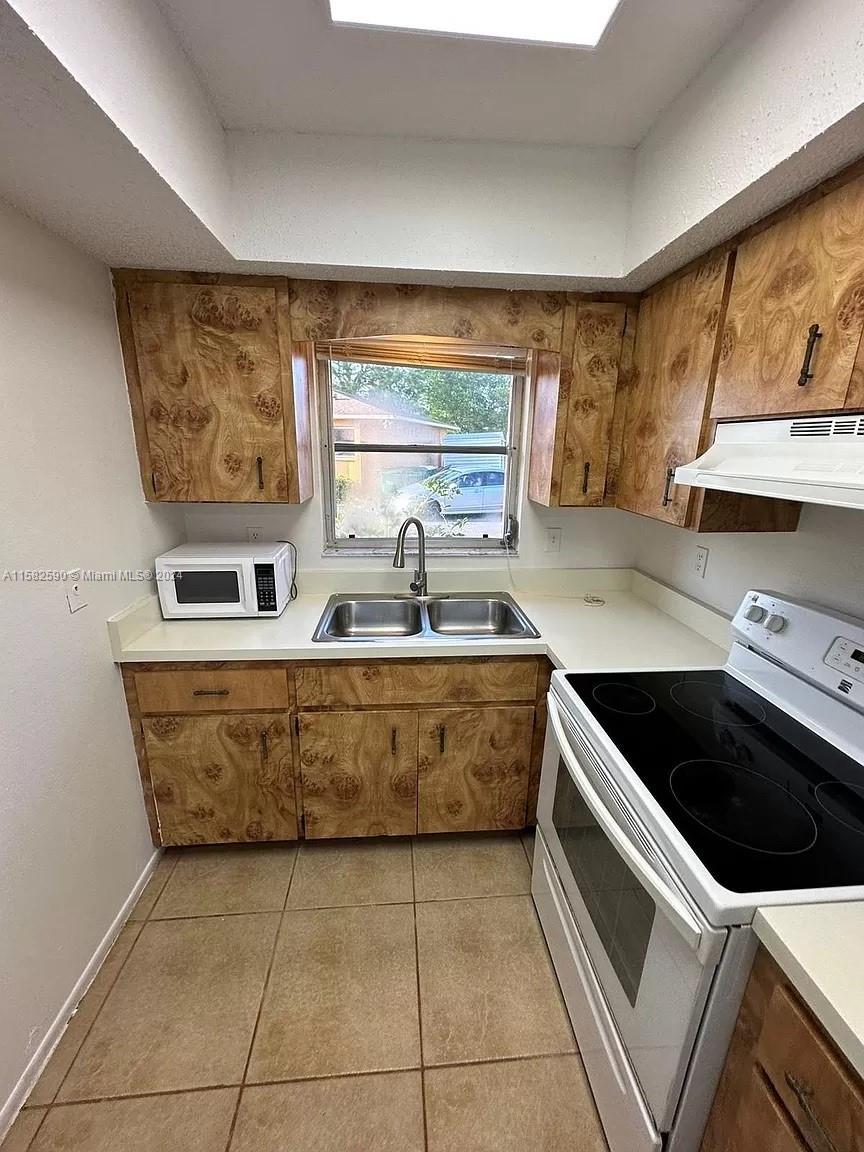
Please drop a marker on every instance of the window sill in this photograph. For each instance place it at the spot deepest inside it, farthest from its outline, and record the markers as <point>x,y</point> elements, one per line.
<point>449,553</point>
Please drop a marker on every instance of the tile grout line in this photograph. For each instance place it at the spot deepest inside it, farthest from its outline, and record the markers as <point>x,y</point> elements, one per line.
<point>419,1000</point>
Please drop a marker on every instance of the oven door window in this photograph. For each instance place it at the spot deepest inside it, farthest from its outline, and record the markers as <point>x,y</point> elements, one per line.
<point>200,586</point>
<point>620,909</point>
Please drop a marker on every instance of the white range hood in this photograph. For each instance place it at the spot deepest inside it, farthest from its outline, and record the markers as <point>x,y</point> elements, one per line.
<point>817,459</point>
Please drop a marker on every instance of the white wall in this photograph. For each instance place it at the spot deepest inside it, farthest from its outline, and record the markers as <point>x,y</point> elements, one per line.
<point>823,561</point>
<point>73,835</point>
<point>397,205</point>
<point>770,115</point>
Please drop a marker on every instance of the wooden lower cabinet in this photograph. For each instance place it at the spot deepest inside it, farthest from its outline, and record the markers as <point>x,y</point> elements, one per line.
<point>784,1087</point>
<point>220,779</point>
<point>359,773</point>
<point>474,766</point>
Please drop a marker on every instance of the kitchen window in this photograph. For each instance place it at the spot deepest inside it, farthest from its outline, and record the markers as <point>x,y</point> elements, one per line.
<point>420,427</point>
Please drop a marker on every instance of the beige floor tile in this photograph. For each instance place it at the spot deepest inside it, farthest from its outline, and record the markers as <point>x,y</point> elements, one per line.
<point>220,881</point>
<point>182,1012</point>
<point>348,1114</point>
<point>528,844</point>
<point>23,1130</point>
<point>70,1042</point>
<point>512,1106</point>
<point>487,987</point>
<point>451,867</point>
<point>342,995</point>
<point>155,885</point>
<point>187,1121</point>
<point>352,872</point>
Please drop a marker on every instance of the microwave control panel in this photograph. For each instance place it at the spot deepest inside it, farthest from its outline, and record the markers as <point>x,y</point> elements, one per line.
<point>265,587</point>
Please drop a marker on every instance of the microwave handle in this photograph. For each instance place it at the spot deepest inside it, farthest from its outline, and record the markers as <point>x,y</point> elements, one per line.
<point>669,902</point>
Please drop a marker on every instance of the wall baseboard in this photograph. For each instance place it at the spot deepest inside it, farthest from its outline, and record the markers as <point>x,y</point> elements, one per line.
<point>51,1039</point>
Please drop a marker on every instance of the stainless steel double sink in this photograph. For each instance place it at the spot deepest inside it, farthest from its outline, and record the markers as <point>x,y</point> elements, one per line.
<point>457,616</point>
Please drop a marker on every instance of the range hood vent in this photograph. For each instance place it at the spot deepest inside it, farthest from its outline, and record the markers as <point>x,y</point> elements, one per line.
<point>818,460</point>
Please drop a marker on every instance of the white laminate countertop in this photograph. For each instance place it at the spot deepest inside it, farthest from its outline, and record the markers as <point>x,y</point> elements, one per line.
<point>626,631</point>
<point>820,947</point>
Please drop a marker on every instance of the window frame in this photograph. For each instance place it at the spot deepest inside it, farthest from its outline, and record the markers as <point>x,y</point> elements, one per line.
<point>449,545</point>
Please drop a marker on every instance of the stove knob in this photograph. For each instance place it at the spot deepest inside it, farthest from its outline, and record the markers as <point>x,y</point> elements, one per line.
<point>776,623</point>
<point>755,613</point>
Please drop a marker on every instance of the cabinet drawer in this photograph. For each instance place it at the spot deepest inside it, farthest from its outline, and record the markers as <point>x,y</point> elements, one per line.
<point>212,690</point>
<point>424,682</point>
<point>825,1100</point>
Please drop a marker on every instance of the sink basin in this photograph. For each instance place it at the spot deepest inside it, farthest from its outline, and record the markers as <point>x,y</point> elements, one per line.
<point>367,619</point>
<point>490,616</point>
<point>462,616</point>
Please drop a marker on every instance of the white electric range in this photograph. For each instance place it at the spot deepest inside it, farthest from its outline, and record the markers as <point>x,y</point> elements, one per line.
<point>672,805</point>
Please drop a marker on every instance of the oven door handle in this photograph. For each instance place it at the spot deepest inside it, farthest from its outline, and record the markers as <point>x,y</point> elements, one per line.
<point>669,902</point>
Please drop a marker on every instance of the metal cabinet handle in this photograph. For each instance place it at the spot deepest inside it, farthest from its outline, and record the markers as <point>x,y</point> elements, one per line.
<point>211,692</point>
<point>585,473</point>
<point>442,738</point>
<point>813,334</point>
<point>394,740</point>
<point>260,462</point>
<point>803,1094</point>
<point>670,476</point>
<point>265,746</point>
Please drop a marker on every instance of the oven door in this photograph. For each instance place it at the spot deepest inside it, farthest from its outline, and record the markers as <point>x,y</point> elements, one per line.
<point>652,950</point>
<point>206,590</point>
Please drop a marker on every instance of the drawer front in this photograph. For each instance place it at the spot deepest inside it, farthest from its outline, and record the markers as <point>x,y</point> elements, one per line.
<point>213,690</point>
<point>387,682</point>
<point>825,1099</point>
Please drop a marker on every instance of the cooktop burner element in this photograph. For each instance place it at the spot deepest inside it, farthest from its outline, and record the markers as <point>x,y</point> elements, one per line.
<point>845,802</point>
<point>731,801</point>
<point>765,803</point>
<point>721,703</point>
<point>624,698</point>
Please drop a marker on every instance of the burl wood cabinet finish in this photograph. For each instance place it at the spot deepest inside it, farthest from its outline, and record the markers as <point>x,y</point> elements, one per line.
<point>220,413</point>
<point>666,424</point>
<point>574,405</point>
<point>474,766</point>
<point>359,773</point>
<point>785,1087</point>
<point>807,269</point>
<point>221,779</point>
<point>236,751</point>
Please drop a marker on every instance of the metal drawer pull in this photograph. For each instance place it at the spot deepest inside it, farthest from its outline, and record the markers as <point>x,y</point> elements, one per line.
<point>260,463</point>
<point>265,748</point>
<point>442,738</point>
<point>211,692</point>
<point>813,334</point>
<point>394,741</point>
<point>585,473</point>
<point>803,1094</point>
<point>670,476</point>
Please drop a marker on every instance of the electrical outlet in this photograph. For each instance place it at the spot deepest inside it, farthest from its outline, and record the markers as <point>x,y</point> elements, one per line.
<point>701,565</point>
<point>254,535</point>
<point>553,540</point>
<point>72,590</point>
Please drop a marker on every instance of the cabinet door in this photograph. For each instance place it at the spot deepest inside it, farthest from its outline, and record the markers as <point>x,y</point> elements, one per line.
<point>590,402</point>
<point>219,779</point>
<point>473,768</point>
<point>807,269</point>
<point>211,383</point>
<point>676,337</point>
<point>757,1122</point>
<point>359,773</point>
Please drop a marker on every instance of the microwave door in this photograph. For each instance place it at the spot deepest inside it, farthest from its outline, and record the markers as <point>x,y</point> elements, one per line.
<point>653,951</point>
<point>214,590</point>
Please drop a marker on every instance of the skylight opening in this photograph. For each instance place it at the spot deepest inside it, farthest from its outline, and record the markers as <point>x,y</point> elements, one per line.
<point>574,23</point>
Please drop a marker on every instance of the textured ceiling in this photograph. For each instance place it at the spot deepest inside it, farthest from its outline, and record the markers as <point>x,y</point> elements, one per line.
<point>280,64</point>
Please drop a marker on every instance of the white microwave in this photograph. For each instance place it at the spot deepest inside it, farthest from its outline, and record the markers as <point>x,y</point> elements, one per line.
<point>203,581</point>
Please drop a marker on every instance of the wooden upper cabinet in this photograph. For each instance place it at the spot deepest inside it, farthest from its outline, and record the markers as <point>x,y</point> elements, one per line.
<point>574,406</point>
<point>676,337</point>
<point>219,397</point>
<point>807,269</point>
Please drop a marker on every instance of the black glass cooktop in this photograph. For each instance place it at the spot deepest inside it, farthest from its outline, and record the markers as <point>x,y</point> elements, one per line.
<point>764,802</point>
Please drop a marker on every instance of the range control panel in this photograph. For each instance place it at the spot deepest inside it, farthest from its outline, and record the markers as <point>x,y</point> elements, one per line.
<point>825,647</point>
